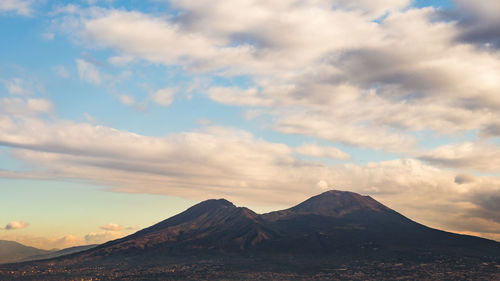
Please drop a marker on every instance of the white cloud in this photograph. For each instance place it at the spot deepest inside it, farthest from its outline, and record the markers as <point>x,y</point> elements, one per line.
<point>425,79</point>
<point>319,151</point>
<point>117,227</point>
<point>88,72</point>
<point>24,107</point>
<point>163,97</point>
<point>127,100</point>
<point>16,225</point>
<point>21,7</point>
<point>112,227</point>
<point>102,237</point>
<point>237,96</point>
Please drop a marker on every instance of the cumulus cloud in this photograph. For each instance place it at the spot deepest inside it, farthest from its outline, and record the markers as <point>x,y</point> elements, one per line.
<point>20,7</point>
<point>112,227</point>
<point>425,80</point>
<point>479,22</point>
<point>102,237</point>
<point>88,72</point>
<point>16,225</point>
<point>163,97</point>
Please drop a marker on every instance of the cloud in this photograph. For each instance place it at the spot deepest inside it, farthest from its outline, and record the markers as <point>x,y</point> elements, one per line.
<point>464,179</point>
<point>479,22</point>
<point>61,71</point>
<point>16,225</point>
<point>475,156</point>
<point>113,227</point>
<point>16,86</point>
<point>102,237</point>
<point>117,227</point>
<point>237,96</point>
<point>425,79</point>
<point>163,97</point>
<point>46,243</point>
<point>127,100</point>
<point>223,162</point>
<point>88,72</point>
<point>318,151</point>
<point>24,107</point>
<point>20,7</point>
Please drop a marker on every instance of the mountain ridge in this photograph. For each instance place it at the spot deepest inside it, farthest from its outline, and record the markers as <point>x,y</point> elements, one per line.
<point>334,222</point>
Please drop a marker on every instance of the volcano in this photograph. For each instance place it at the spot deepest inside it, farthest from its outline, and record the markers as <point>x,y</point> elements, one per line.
<point>331,228</point>
<point>336,223</point>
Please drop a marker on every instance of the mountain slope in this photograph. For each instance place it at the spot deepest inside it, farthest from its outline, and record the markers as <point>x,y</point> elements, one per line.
<point>213,225</point>
<point>11,251</point>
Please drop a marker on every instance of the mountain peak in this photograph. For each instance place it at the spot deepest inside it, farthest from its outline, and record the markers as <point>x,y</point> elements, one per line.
<point>215,203</point>
<point>338,203</point>
<point>333,203</point>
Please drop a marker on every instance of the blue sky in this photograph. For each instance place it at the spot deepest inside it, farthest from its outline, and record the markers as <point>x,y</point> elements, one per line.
<point>118,114</point>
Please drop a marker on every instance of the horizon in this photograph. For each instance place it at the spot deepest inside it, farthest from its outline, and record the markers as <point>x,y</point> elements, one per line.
<point>117,114</point>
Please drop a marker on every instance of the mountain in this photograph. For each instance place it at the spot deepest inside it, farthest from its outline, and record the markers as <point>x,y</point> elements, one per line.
<point>59,253</point>
<point>335,222</point>
<point>11,251</point>
<point>326,231</point>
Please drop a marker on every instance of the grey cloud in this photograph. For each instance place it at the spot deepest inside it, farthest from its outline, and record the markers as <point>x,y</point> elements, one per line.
<point>464,178</point>
<point>490,130</point>
<point>477,21</point>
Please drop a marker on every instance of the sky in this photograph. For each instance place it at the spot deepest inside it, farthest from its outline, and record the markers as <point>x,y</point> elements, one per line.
<point>115,115</point>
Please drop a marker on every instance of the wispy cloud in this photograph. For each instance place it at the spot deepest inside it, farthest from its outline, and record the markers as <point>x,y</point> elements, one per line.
<point>21,7</point>
<point>88,72</point>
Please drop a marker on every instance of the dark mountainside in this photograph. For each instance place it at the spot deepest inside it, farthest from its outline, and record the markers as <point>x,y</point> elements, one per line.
<point>336,229</point>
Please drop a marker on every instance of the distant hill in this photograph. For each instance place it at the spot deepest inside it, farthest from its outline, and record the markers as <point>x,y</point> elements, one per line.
<point>55,254</point>
<point>11,251</point>
<point>327,233</point>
